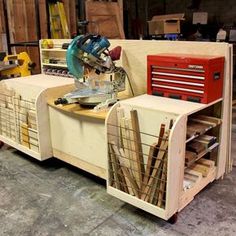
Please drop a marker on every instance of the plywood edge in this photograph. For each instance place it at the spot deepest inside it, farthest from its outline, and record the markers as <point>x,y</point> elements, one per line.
<point>75,161</point>
<point>157,211</point>
<point>76,110</point>
<point>22,148</point>
<point>176,151</point>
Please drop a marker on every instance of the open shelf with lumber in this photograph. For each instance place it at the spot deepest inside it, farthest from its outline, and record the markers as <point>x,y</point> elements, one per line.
<point>201,152</point>
<point>146,145</point>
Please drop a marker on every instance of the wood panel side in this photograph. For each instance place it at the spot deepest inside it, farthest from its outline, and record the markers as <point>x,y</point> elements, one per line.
<point>107,20</point>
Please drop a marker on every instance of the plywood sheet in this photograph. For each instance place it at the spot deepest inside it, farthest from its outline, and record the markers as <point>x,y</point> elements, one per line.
<point>106,17</point>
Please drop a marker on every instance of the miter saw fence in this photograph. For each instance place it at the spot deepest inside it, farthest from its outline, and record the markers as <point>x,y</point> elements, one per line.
<point>86,55</point>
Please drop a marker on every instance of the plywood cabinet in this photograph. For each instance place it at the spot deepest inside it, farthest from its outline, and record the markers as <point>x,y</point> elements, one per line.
<point>24,119</point>
<point>168,129</point>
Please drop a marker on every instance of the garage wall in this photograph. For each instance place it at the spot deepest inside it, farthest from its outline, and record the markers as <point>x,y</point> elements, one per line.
<point>218,10</point>
<point>23,25</point>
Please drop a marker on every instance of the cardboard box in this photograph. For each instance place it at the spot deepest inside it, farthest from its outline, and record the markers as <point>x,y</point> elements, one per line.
<point>165,24</point>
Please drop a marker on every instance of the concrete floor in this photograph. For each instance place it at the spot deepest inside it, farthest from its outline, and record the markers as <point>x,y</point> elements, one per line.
<point>52,198</point>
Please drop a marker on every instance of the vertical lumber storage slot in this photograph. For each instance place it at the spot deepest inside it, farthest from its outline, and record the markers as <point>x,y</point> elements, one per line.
<point>138,158</point>
<point>18,119</point>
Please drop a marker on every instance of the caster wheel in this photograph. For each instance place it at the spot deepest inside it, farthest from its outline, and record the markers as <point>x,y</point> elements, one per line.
<point>173,219</point>
<point>1,144</point>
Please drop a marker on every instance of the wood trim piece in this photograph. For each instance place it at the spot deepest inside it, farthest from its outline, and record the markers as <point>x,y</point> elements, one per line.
<point>95,170</point>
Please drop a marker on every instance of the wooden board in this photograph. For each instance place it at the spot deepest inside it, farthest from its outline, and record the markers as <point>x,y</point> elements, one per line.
<point>82,164</point>
<point>2,25</point>
<point>107,18</point>
<point>43,19</point>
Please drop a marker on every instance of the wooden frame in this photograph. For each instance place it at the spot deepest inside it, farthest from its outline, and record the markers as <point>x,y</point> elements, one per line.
<point>81,131</point>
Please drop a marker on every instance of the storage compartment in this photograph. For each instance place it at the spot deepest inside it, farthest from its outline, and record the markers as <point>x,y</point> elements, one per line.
<point>53,58</point>
<point>138,160</point>
<point>24,119</point>
<point>162,151</point>
<point>201,156</point>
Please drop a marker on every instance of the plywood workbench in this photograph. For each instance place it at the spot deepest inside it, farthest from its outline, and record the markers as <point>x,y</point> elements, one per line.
<point>78,135</point>
<point>81,139</point>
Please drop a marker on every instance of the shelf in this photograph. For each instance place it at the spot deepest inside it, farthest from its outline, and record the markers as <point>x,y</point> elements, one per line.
<point>197,135</point>
<point>164,104</point>
<point>203,122</point>
<point>55,65</point>
<point>53,50</point>
<point>200,155</point>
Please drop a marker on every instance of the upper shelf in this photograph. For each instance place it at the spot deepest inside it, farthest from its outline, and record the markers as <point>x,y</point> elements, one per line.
<point>53,50</point>
<point>55,65</point>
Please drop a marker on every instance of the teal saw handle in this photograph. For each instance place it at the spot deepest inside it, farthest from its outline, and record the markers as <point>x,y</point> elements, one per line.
<point>74,64</point>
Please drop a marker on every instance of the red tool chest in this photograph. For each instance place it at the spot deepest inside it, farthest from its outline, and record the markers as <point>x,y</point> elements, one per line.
<point>194,78</point>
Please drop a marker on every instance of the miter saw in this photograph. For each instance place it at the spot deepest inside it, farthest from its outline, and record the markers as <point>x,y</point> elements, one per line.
<point>88,58</point>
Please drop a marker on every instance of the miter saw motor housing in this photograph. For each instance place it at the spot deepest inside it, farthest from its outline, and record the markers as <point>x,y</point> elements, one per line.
<point>91,52</point>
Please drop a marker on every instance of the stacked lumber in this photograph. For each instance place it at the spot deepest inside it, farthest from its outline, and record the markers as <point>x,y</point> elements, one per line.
<point>129,172</point>
<point>200,124</point>
<point>196,172</point>
<point>18,118</point>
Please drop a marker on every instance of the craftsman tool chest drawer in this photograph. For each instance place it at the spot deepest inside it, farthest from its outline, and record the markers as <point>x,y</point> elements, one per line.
<point>194,78</point>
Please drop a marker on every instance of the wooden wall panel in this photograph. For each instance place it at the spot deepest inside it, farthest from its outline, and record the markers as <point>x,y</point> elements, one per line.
<point>43,19</point>
<point>73,17</point>
<point>2,25</point>
<point>107,17</point>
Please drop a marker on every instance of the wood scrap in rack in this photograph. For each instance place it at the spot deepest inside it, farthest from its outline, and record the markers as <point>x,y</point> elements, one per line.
<point>159,161</point>
<point>207,140</point>
<point>208,120</point>
<point>206,162</point>
<point>106,18</point>
<point>136,145</point>
<point>114,167</point>
<point>147,184</point>
<point>203,169</point>
<point>152,159</point>
<point>123,178</point>
<point>195,147</point>
<point>196,128</point>
<point>189,157</point>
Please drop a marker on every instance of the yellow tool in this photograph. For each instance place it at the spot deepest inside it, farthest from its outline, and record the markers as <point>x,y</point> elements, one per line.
<point>18,65</point>
<point>58,22</point>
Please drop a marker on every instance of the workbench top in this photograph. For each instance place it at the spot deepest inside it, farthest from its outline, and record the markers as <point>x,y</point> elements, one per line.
<point>77,110</point>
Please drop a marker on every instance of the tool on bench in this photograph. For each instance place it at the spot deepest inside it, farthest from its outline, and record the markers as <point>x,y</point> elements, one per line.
<point>88,57</point>
<point>16,66</point>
